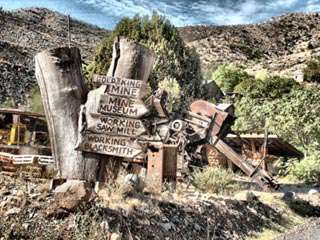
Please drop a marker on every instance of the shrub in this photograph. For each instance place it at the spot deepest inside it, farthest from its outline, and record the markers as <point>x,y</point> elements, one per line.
<point>174,60</point>
<point>284,166</point>
<point>172,87</point>
<point>268,87</point>
<point>228,76</point>
<point>251,52</point>
<point>35,101</point>
<point>213,179</point>
<point>312,72</point>
<point>281,104</point>
<point>308,169</point>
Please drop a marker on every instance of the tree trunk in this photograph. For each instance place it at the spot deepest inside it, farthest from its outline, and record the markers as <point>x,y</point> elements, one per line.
<point>129,60</point>
<point>63,90</point>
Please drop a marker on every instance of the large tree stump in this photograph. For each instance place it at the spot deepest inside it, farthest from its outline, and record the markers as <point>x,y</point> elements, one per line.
<point>129,60</point>
<point>63,90</point>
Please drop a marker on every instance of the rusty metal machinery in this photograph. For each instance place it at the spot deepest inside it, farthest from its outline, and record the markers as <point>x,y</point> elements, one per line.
<point>207,124</point>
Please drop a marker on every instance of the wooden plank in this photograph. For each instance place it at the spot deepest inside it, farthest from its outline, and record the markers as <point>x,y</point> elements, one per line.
<point>114,125</point>
<point>109,145</point>
<point>122,86</point>
<point>127,107</point>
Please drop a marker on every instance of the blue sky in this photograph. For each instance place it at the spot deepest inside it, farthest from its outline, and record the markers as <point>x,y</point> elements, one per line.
<point>106,13</point>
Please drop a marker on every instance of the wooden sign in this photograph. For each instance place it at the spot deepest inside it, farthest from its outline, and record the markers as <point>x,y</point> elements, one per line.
<point>113,125</point>
<point>110,145</point>
<point>122,86</point>
<point>127,107</point>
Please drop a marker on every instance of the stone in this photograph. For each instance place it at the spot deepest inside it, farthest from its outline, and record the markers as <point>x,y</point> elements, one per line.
<point>115,236</point>
<point>250,196</point>
<point>71,194</point>
<point>167,226</point>
<point>289,196</point>
<point>104,225</point>
<point>313,192</point>
<point>12,211</point>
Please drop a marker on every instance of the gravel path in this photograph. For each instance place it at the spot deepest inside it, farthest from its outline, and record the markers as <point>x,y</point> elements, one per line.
<point>308,231</point>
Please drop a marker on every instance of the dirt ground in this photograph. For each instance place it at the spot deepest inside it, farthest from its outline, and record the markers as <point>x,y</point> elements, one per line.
<point>181,214</point>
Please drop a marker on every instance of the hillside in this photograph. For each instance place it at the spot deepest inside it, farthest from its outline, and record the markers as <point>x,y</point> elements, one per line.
<point>28,31</point>
<point>281,45</point>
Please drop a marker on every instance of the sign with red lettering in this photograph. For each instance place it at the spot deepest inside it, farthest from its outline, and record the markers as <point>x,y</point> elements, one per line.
<point>113,125</point>
<point>127,107</point>
<point>110,145</point>
<point>122,86</point>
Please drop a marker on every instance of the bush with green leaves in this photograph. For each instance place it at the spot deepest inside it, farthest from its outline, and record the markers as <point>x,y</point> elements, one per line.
<point>213,179</point>
<point>312,72</point>
<point>268,88</point>
<point>174,60</point>
<point>293,116</point>
<point>228,76</point>
<point>173,89</point>
<point>34,101</point>
<point>308,169</point>
<point>284,166</point>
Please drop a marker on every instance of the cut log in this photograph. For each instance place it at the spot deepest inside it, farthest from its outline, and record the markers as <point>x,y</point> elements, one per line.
<point>129,60</point>
<point>63,90</point>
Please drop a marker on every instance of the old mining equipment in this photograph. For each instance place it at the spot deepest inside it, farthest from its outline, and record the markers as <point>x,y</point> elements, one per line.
<point>208,124</point>
<point>23,132</point>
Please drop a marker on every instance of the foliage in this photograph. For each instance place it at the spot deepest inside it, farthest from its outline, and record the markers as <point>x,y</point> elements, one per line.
<point>228,76</point>
<point>285,116</point>
<point>308,169</point>
<point>284,166</point>
<point>172,87</point>
<point>9,103</point>
<point>35,101</point>
<point>262,74</point>
<point>312,72</point>
<point>213,179</point>
<point>267,88</point>
<point>174,60</point>
<point>251,52</point>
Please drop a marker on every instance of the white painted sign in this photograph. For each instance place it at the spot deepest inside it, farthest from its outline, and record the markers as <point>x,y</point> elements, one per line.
<point>114,125</point>
<point>122,86</point>
<point>110,145</point>
<point>127,107</point>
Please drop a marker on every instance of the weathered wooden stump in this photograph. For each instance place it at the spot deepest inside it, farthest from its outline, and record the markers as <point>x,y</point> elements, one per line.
<point>129,60</point>
<point>63,90</point>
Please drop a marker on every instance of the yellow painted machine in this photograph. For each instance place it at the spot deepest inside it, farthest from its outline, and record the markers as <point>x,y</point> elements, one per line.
<point>23,132</point>
<point>17,134</point>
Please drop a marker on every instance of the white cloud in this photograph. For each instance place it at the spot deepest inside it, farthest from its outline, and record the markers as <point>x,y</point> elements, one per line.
<point>180,12</point>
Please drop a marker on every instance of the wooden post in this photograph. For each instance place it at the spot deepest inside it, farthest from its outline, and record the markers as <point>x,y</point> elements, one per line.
<point>63,90</point>
<point>129,60</point>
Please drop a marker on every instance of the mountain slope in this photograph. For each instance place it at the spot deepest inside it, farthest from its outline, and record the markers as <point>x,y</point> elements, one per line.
<point>28,31</point>
<point>281,45</point>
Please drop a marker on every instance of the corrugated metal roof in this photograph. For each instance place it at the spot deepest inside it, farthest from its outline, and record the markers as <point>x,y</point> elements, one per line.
<point>276,146</point>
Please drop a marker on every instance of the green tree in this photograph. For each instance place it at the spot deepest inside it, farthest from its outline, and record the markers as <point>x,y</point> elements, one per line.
<point>228,76</point>
<point>271,87</point>
<point>312,72</point>
<point>292,115</point>
<point>174,59</point>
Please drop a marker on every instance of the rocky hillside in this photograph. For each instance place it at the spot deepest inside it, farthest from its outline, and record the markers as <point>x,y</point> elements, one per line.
<point>281,45</point>
<point>25,32</point>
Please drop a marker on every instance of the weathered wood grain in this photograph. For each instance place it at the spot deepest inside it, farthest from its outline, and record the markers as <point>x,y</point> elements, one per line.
<point>63,90</point>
